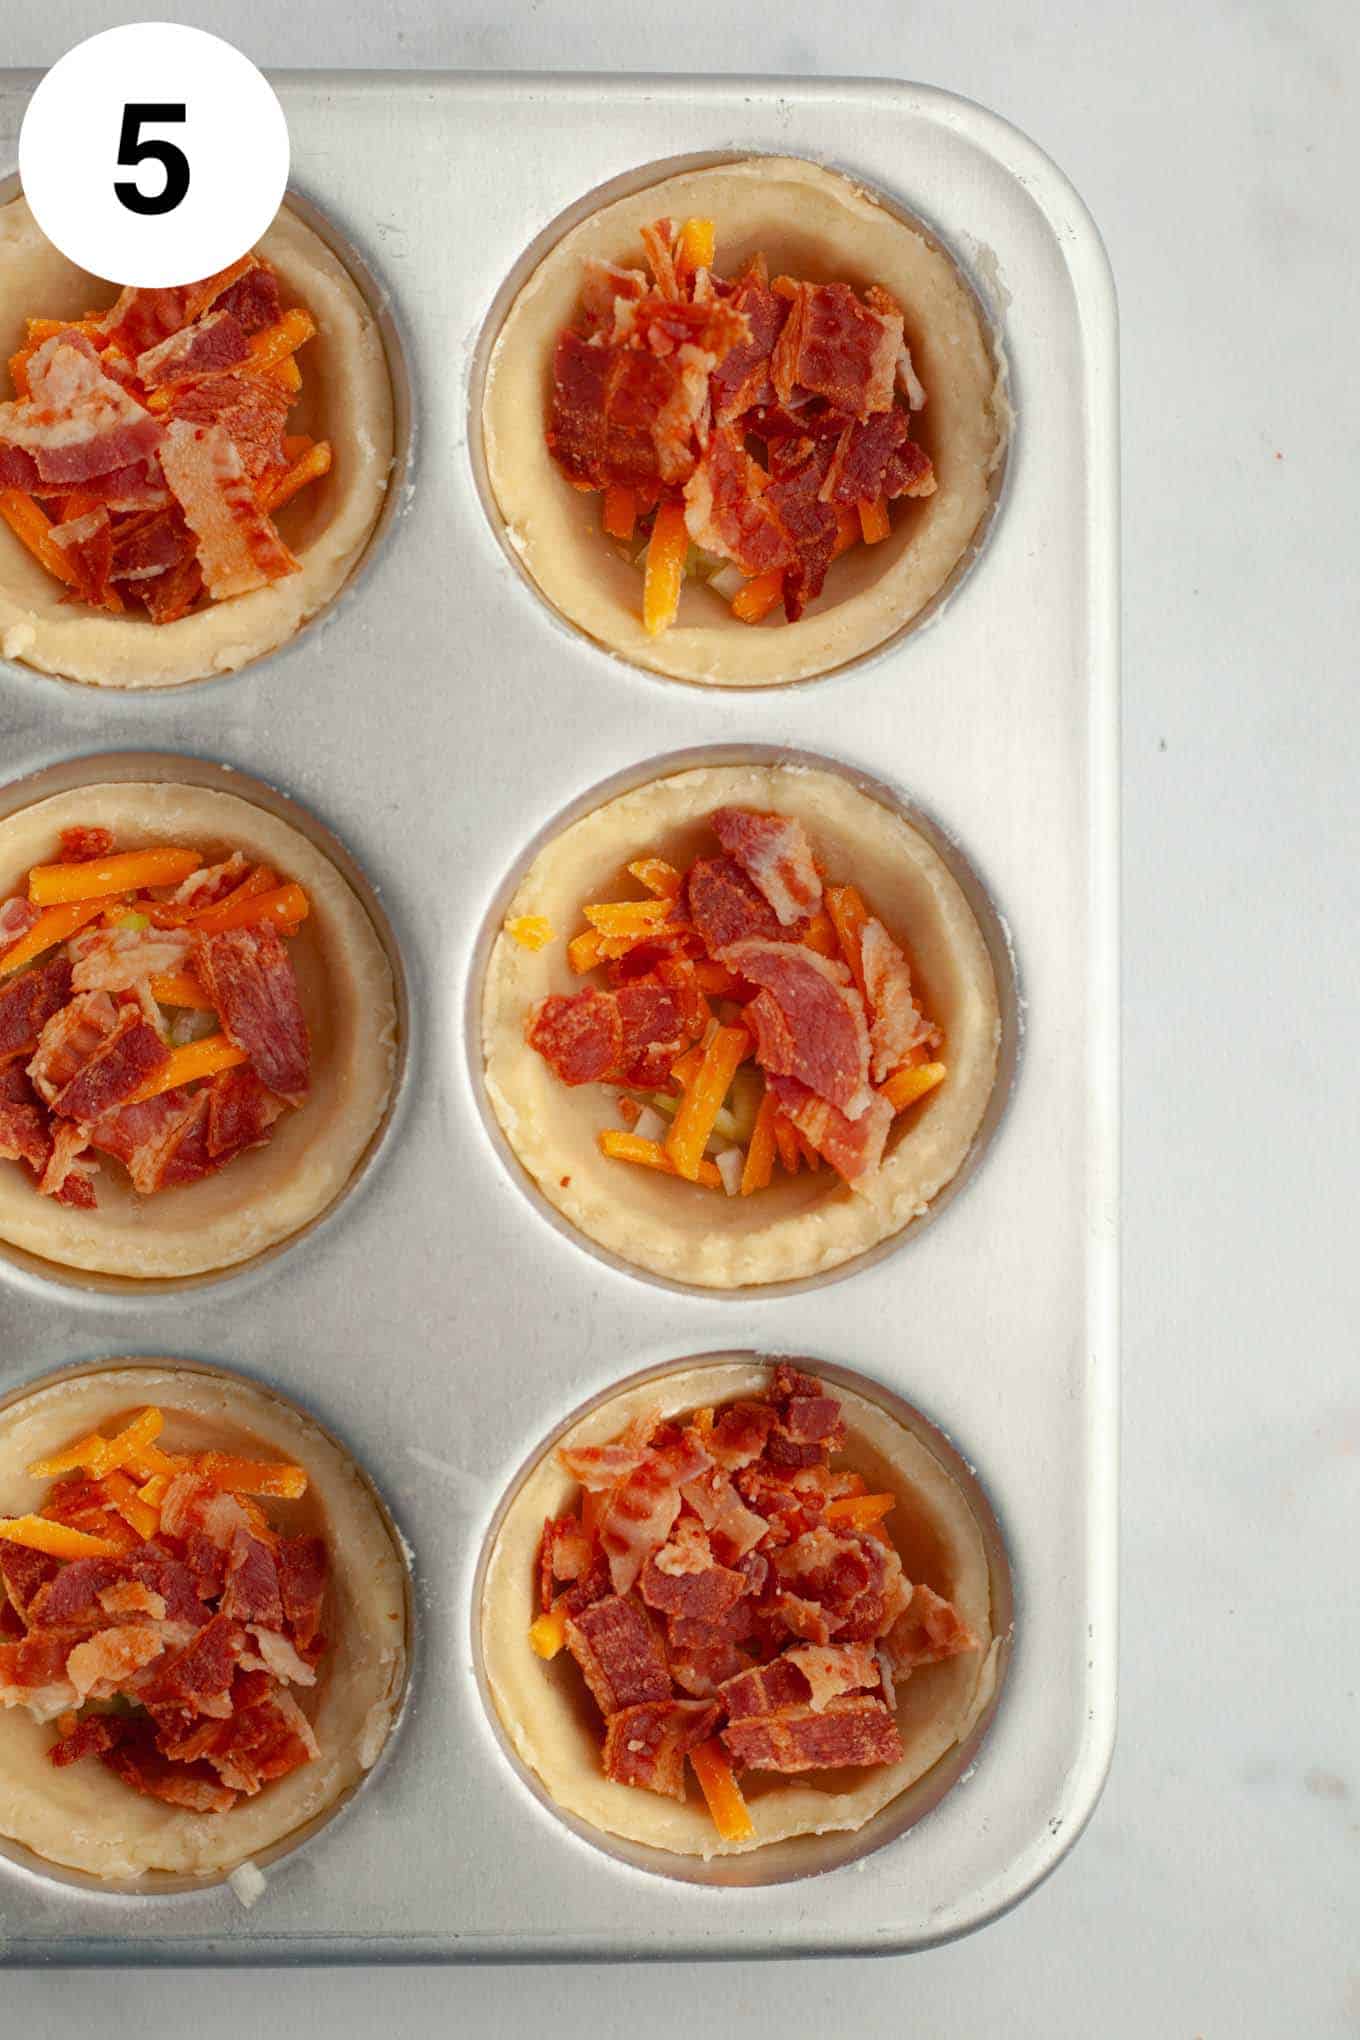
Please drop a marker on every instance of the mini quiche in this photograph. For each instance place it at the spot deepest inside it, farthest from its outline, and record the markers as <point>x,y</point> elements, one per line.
<point>197,1029</point>
<point>202,1622</point>
<point>743,425</point>
<point>186,474</point>
<point>735,1606</point>
<point>767,1057</point>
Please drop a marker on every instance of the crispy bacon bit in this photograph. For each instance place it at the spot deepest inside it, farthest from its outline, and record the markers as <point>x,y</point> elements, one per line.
<point>645,1504</point>
<point>652,1033</point>
<point>647,1745</point>
<point>251,1589</point>
<point>171,595</point>
<point>811,1026</point>
<point>249,409</point>
<point>241,1112</point>
<point>734,1528</point>
<point>216,342</point>
<point>128,1056</point>
<point>727,511</point>
<point>146,547</point>
<point>65,1175</point>
<point>928,1630</point>
<point>141,318</point>
<point>30,999</point>
<point>104,1662</point>
<point>249,976</point>
<point>834,346</point>
<point>76,421</point>
<point>80,844</point>
<point>739,1433</point>
<point>303,1565</point>
<point>89,1737</point>
<point>238,548</point>
<point>580,1035</point>
<point>741,379</point>
<point>253,300</point>
<point>725,907</point>
<point>119,959</point>
<point>896,1026</point>
<point>833,1669</point>
<point>775,854</point>
<point>22,1573</point>
<point>193,1786</point>
<point>619,1652</point>
<point>853,1730</point>
<point>854,1147</point>
<point>703,1595</point>
<point>17,916</point>
<point>565,1554</point>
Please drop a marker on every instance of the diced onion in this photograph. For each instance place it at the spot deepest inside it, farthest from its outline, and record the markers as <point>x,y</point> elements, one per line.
<point>730,1163</point>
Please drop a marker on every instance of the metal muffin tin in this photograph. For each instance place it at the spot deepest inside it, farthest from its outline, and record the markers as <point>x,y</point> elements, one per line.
<point>436,719</point>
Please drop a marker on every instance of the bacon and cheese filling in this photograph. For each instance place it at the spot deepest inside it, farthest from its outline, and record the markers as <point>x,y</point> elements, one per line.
<point>753,1014</point>
<point>156,1609</point>
<point>753,429</point>
<point>149,1014</point>
<point>734,1599</point>
<point>144,455</point>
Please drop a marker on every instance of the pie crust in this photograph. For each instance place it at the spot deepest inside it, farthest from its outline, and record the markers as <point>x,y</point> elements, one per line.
<point>816,225</point>
<point>801,1225</point>
<point>83,1817</point>
<point>553,1726</point>
<point>349,1001</point>
<point>346,397</point>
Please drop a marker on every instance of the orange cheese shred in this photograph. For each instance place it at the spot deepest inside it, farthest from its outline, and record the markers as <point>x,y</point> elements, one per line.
<point>873,521</point>
<point>731,1815</point>
<point>758,1168</point>
<point>861,1512</point>
<point>58,1540</point>
<point>649,1154</point>
<point>136,1513</point>
<point>531,931</point>
<point>277,342</point>
<point>848,914</point>
<point>632,920</point>
<point>820,934</point>
<point>51,885</point>
<point>179,988</point>
<point>696,246</point>
<point>186,1065</point>
<point>658,876</point>
<point>703,1100</point>
<point>620,510</point>
<point>55,925</point>
<point>786,1140</point>
<point>252,1476</point>
<point>905,1086</point>
<point>583,950</point>
<point>665,573</point>
<point>309,466</point>
<point>284,908</point>
<point>548,1634</point>
<point>30,525</point>
<point>753,603</point>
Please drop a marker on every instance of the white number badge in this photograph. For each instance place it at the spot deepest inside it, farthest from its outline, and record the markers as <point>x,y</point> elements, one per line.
<point>153,154</point>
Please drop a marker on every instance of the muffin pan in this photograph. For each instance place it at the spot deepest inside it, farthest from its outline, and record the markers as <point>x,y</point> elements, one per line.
<point>439,718</point>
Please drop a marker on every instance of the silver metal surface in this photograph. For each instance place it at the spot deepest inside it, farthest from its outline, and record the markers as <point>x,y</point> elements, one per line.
<point>436,1321</point>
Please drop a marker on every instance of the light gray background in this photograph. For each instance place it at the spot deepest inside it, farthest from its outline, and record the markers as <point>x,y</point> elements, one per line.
<point>1216,1890</point>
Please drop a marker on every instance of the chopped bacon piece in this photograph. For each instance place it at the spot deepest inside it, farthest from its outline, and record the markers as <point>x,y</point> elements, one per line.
<point>704,1655</point>
<point>22,1573</point>
<point>727,511</point>
<point>652,1033</point>
<point>928,1630</point>
<point>303,1566</point>
<point>854,1147</point>
<point>896,1026</point>
<point>17,916</point>
<point>249,976</point>
<point>253,300</point>
<point>87,543</point>
<point>70,1599</point>
<point>118,959</point>
<point>73,1033</point>
<point>645,1504</point>
<point>210,884</point>
<point>171,595</point>
<point>647,1744</point>
<point>580,1035</point>
<point>65,1175</point>
<point>89,1738</point>
<point>741,378</point>
<point>76,421</point>
<point>617,1647</point>
<point>725,907</point>
<point>149,546</point>
<point>764,1689</point>
<point>241,1112</point>
<point>834,1668</point>
<point>24,1134</point>
<point>566,1553</point>
<point>251,1589</point>
<point>125,1059</point>
<point>193,1786</point>
<point>703,1594</point>
<point>876,459</point>
<point>734,1528</point>
<point>162,1142</point>
<point>199,1679</point>
<point>30,999</point>
<point>249,409</point>
<point>812,1025</point>
<point>775,854</point>
<point>739,1433</point>
<point>103,1663</point>
<point>853,1730</point>
<point>836,347</point>
<point>237,546</point>
<point>36,1663</point>
<point>141,317</point>
<point>131,1597</point>
<point>140,486</point>
<point>212,344</point>
<point>80,844</point>
<point>805,1417</point>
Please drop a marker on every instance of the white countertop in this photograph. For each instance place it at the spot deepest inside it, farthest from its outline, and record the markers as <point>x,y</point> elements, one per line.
<point>1216,1890</point>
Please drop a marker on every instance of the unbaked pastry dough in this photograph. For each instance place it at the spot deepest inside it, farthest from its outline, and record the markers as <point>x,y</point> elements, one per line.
<point>814,224</point>
<point>345,983</point>
<point>553,1726</point>
<point>85,1818</point>
<point>346,398</point>
<point>802,1224</point>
